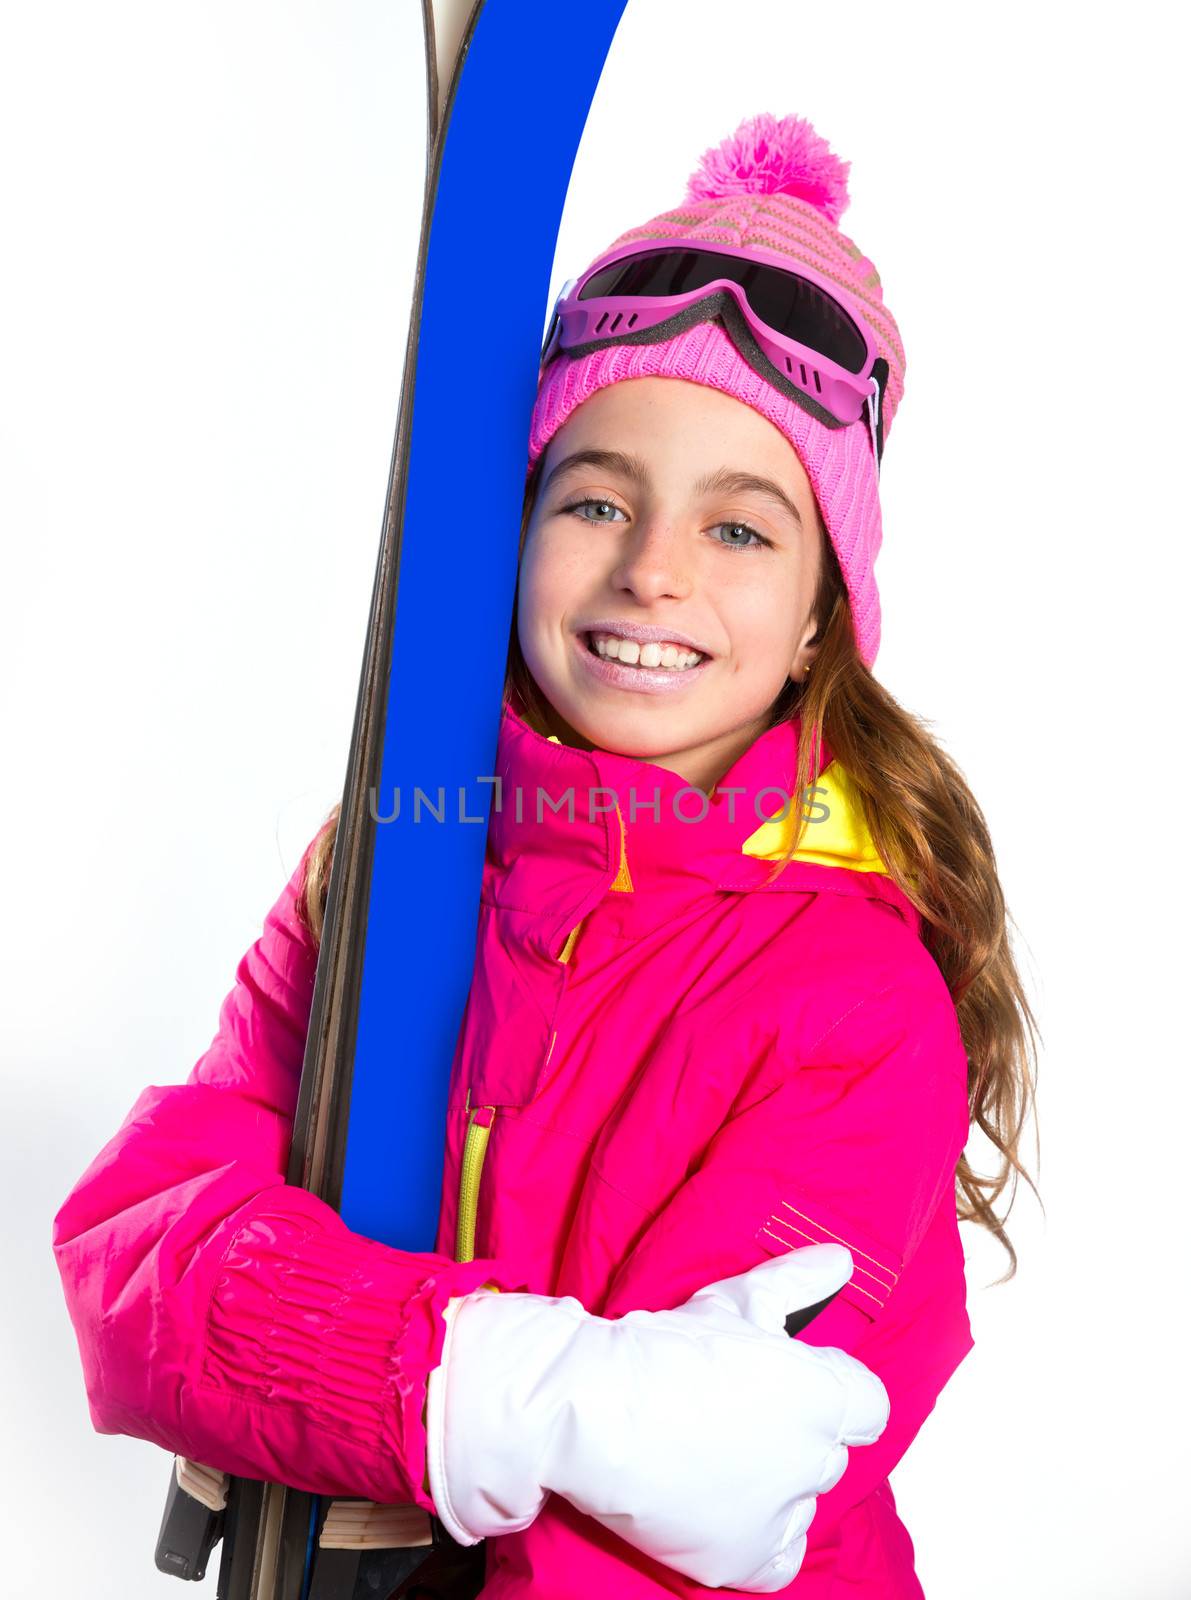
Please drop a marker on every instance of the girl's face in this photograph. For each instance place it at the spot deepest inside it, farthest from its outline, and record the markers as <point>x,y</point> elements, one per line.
<point>699,519</point>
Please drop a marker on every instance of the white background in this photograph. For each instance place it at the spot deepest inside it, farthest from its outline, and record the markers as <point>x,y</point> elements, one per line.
<point>210,216</point>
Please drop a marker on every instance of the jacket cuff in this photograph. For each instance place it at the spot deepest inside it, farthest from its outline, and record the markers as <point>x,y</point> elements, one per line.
<point>436,1426</point>
<point>343,1331</point>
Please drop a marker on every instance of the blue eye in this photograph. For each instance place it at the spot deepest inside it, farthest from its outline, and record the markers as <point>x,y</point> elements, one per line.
<point>747,529</point>
<point>763,543</point>
<point>580,505</point>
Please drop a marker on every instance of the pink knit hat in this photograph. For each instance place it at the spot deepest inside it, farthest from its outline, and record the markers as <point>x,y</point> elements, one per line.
<point>775,184</point>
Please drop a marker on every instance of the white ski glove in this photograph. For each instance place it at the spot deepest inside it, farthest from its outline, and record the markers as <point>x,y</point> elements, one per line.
<point>701,1435</point>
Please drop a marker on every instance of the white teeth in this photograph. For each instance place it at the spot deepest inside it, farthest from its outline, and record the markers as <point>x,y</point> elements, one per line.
<point>629,653</point>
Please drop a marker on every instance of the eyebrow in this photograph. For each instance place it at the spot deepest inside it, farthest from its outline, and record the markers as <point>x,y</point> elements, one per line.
<point>724,481</point>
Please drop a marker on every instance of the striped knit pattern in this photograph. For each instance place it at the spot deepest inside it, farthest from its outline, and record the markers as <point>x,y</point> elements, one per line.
<point>838,461</point>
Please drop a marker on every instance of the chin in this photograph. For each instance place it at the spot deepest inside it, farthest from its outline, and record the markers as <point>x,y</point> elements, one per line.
<point>646,732</point>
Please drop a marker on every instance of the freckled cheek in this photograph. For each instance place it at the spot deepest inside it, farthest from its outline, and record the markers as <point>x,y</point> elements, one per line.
<point>546,594</point>
<point>760,625</point>
<point>557,579</point>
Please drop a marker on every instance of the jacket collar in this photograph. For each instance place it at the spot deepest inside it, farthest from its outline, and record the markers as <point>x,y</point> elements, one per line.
<point>570,826</point>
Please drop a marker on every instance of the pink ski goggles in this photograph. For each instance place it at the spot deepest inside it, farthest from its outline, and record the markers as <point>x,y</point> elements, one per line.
<point>798,330</point>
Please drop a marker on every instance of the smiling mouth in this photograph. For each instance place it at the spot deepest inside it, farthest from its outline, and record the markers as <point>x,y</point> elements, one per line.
<point>657,657</point>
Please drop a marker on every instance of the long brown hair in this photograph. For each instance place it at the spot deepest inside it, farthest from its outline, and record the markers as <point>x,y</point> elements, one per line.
<point>934,841</point>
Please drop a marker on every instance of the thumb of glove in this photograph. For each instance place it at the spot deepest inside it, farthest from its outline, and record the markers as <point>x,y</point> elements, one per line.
<point>766,1294</point>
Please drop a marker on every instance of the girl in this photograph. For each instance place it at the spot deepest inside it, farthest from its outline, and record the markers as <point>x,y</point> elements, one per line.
<point>742,983</point>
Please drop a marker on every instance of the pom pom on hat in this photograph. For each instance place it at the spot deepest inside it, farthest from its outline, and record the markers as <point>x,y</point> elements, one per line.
<point>768,156</point>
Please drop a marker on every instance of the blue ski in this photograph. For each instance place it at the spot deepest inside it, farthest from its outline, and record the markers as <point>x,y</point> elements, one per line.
<point>395,962</point>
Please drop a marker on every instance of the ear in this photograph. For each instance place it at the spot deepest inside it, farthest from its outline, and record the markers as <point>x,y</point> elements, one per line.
<point>805,653</point>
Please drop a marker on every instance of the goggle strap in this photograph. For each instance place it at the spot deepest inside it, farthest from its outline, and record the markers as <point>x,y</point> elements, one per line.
<point>872,401</point>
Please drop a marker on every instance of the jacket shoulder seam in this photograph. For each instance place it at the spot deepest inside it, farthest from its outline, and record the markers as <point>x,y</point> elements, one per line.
<point>857,1005</point>
<point>915,977</point>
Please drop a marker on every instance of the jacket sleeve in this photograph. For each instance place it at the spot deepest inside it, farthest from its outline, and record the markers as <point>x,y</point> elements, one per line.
<point>229,1316</point>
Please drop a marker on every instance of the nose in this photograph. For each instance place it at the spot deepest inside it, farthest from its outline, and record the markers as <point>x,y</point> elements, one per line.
<point>653,562</point>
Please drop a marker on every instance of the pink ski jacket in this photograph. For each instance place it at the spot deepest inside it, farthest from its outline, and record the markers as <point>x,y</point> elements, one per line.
<point>667,1070</point>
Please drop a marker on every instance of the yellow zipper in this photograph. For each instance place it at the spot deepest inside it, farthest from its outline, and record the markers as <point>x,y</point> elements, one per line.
<point>479,1126</point>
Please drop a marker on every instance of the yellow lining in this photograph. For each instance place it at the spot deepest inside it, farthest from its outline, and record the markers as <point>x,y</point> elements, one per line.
<point>622,880</point>
<point>836,835</point>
